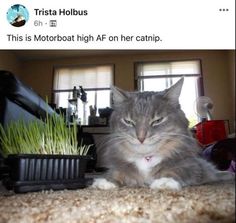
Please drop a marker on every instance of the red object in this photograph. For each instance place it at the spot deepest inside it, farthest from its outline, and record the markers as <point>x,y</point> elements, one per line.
<point>211,131</point>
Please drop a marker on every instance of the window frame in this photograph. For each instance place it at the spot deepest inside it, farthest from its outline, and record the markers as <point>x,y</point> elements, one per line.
<point>81,66</point>
<point>200,84</point>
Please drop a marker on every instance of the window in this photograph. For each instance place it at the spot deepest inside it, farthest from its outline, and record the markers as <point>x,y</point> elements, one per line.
<point>95,80</point>
<point>161,75</point>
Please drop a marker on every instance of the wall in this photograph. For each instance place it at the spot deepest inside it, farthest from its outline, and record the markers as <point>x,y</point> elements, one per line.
<point>9,62</point>
<point>231,55</point>
<point>216,68</point>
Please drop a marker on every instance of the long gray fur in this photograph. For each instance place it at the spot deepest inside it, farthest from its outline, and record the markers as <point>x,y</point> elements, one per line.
<point>152,125</point>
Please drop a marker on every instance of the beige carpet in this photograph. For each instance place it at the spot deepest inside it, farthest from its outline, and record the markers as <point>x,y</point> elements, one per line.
<point>205,204</point>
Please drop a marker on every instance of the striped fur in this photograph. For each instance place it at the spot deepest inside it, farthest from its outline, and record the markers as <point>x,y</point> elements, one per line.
<point>150,143</point>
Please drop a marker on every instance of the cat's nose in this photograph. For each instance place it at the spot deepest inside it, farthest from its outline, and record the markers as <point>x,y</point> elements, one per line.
<point>141,139</point>
<point>141,134</point>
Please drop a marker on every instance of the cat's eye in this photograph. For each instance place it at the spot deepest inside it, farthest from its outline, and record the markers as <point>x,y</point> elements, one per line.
<point>157,121</point>
<point>128,122</point>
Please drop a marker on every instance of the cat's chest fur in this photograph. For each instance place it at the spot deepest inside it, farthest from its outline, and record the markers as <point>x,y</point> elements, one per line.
<point>146,164</point>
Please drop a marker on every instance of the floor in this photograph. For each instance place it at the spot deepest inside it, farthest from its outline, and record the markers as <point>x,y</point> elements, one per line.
<point>204,204</point>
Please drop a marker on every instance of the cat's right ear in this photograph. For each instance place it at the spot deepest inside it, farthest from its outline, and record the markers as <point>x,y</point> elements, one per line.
<point>118,95</point>
<point>174,91</point>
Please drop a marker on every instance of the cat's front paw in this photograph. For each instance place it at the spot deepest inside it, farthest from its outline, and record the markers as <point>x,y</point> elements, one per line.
<point>103,184</point>
<point>165,183</point>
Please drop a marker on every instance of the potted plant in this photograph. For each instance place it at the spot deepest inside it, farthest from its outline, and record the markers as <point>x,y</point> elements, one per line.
<point>43,155</point>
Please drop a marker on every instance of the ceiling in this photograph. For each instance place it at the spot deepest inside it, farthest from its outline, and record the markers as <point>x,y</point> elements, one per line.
<point>56,54</point>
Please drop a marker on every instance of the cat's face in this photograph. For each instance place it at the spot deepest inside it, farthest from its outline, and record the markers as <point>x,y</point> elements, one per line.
<point>143,120</point>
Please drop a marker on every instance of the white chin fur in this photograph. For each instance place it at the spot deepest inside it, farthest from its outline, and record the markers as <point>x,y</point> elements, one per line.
<point>165,183</point>
<point>103,184</point>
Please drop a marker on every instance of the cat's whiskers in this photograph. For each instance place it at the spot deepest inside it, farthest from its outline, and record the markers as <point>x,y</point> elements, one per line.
<point>170,136</point>
<point>125,137</point>
<point>114,139</point>
<point>178,134</point>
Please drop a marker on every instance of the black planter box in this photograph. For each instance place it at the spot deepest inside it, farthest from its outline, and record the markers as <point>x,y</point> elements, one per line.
<point>28,173</point>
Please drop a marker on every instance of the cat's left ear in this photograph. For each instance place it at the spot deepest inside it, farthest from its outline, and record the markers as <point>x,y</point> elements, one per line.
<point>174,91</point>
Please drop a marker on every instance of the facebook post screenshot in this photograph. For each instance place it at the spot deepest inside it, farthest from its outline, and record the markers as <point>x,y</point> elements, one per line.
<point>117,111</point>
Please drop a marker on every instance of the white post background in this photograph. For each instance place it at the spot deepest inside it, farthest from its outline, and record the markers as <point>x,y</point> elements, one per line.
<point>181,24</point>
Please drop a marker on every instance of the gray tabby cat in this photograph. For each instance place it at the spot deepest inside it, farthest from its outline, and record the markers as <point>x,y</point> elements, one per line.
<point>151,145</point>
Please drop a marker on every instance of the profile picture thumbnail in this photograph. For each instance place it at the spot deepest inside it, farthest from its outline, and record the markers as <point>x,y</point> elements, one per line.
<point>17,15</point>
